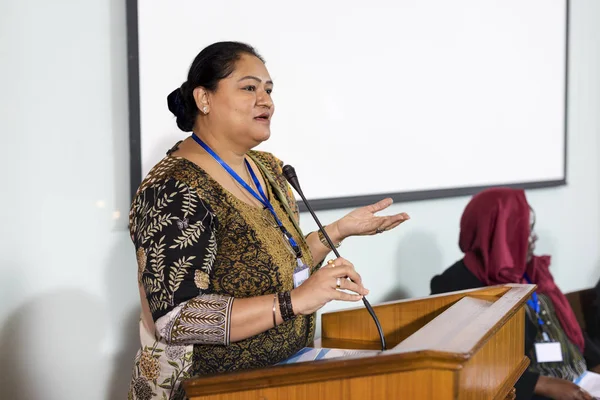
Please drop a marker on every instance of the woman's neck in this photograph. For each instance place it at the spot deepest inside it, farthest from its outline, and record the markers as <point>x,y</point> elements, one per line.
<point>233,154</point>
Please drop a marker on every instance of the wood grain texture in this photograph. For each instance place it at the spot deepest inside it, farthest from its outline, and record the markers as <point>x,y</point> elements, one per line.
<point>493,370</point>
<point>408,385</point>
<point>398,319</point>
<point>469,343</point>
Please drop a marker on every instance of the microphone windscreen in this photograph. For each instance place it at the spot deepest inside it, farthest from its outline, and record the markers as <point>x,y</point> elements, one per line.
<point>290,174</point>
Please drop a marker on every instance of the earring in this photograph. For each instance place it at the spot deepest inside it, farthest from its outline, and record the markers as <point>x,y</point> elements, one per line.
<point>205,110</point>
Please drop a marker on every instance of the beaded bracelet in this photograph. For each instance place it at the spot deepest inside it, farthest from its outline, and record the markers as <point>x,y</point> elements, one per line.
<point>288,305</point>
<point>285,306</point>
<point>282,307</point>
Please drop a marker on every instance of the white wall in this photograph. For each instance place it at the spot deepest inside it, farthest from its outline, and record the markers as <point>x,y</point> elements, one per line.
<point>68,298</point>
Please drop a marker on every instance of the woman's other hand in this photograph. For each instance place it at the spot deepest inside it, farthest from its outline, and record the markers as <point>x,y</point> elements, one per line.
<point>363,221</point>
<point>560,389</point>
<point>321,287</point>
<point>596,369</point>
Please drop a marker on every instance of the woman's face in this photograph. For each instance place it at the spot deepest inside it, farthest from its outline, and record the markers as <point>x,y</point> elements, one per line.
<point>241,108</point>
<point>532,235</point>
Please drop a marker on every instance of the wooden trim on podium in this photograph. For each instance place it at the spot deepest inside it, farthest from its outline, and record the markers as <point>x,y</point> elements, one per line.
<point>318,371</point>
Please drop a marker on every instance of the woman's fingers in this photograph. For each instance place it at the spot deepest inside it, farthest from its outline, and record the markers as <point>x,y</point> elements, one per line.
<point>349,279</point>
<point>585,395</point>
<point>329,283</point>
<point>340,262</point>
<point>346,284</point>
<point>342,296</point>
<point>393,221</point>
<point>347,271</point>
<point>342,272</point>
<point>393,225</point>
<point>380,205</point>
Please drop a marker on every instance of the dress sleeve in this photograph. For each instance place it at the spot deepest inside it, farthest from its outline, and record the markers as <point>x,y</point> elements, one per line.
<point>174,232</point>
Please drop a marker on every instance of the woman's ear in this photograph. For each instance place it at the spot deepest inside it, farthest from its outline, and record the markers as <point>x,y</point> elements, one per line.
<point>201,99</point>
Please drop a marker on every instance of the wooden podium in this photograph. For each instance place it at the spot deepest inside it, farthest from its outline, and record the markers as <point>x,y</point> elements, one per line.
<point>460,345</point>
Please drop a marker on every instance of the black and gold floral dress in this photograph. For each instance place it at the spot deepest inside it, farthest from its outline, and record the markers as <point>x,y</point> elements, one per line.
<point>198,247</point>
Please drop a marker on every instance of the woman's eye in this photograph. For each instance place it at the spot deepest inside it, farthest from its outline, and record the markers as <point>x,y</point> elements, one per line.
<point>269,91</point>
<point>250,88</point>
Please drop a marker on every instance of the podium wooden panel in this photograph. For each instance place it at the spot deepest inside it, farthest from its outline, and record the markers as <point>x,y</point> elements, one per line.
<point>462,345</point>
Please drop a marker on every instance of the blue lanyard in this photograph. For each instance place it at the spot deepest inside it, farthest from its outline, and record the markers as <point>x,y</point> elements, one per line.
<point>260,196</point>
<point>535,305</point>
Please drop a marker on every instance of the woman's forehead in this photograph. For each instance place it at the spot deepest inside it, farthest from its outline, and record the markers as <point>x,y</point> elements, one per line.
<point>249,65</point>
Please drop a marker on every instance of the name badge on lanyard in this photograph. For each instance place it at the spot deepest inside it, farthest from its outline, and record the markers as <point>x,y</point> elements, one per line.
<point>301,273</point>
<point>546,350</point>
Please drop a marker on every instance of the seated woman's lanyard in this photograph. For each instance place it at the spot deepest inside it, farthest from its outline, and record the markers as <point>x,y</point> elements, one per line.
<point>534,303</point>
<point>547,351</point>
<point>261,197</point>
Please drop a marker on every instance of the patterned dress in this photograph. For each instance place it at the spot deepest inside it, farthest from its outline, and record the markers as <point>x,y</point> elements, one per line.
<point>198,247</point>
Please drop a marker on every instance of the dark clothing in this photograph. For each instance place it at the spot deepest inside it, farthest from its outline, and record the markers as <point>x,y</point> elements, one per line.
<point>592,318</point>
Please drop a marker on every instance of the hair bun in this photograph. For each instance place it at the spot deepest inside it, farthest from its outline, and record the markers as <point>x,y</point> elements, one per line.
<point>176,104</point>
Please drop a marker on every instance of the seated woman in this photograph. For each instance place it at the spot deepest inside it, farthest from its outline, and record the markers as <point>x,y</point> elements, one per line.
<point>497,239</point>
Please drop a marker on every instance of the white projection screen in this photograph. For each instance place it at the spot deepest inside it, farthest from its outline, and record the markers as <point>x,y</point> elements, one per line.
<point>402,98</point>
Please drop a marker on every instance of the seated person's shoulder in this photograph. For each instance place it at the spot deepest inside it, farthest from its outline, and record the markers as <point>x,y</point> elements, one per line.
<point>457,277</point>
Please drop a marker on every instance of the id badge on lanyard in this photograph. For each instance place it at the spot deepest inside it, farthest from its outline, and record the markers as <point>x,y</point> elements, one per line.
<point>548,352</point>
<point>301,273</point>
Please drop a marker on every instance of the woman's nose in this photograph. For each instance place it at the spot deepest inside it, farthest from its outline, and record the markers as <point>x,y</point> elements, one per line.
<point>533,238</point>
<point>264,99</point>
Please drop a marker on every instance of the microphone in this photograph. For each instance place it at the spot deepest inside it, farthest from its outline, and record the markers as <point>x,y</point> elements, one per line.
<point>290,174</point>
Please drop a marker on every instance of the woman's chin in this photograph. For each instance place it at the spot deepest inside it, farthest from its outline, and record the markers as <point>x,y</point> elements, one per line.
<point>261,136</point>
